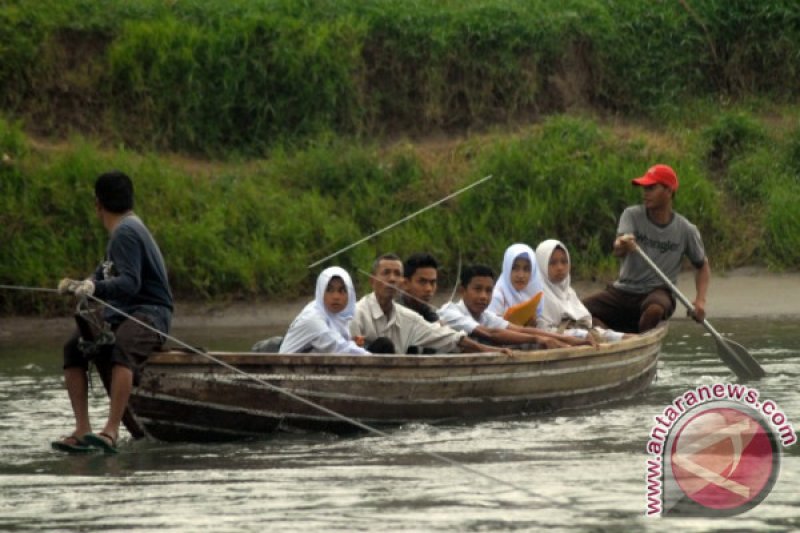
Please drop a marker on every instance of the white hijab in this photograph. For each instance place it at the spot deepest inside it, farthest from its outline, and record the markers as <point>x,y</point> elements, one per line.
<point>505,295</point>
<point>560,299</point>
<point>315,318</point>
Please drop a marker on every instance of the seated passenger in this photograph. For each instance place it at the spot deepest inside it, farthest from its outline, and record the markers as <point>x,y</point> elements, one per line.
<point>519,282</point>
<point>472,316</point>
<point>563,311</point>
<point>420,273</point>
<point>379,319</point>
<point>322,325</point>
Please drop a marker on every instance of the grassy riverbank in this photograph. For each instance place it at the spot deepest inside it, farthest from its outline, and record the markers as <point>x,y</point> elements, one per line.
<point>222,77</point>
<point>249,229</point>
<point>265,134</point>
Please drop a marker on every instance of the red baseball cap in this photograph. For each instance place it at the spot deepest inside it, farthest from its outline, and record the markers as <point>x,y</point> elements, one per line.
<point>662,174</point>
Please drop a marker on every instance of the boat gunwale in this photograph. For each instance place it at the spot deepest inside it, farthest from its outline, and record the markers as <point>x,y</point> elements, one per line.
<point>243,359</point>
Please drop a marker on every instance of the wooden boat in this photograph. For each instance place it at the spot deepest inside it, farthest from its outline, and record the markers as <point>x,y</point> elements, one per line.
<point>188,397</point>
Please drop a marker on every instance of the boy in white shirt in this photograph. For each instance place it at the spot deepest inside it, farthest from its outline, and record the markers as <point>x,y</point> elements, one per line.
<point>472,316</point>
<point>378,317</point>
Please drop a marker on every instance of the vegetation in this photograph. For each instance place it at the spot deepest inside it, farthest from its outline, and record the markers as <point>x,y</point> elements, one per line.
<point>251,229</point>
<point>311,124</point>
<point>244,76</point>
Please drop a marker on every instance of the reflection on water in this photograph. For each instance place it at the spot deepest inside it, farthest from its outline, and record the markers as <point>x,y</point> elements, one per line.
<point>583,469</point>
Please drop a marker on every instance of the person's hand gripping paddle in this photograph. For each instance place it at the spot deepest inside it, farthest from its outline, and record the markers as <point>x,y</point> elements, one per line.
<point>734,355</point>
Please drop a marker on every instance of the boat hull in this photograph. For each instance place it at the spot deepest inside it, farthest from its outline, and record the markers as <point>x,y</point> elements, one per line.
<point>190,397</point>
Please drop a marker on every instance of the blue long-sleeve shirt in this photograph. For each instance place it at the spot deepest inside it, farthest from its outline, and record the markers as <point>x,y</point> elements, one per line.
<point>133,276</point>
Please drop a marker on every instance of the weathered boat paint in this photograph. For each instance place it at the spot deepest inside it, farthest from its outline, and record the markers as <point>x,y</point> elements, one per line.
<point>187,397</point>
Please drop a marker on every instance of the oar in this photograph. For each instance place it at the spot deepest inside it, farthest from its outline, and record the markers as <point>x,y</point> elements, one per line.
<point>733,354</point>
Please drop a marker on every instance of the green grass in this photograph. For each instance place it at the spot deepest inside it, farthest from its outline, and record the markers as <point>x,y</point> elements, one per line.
<point>243,77</point>
<point>782,227</point>
<point>308,120</point>
<point>250,229</point>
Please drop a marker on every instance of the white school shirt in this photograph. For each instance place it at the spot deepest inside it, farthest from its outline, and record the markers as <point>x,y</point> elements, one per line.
<point>561,302</point>
<point>316,329</point>
<point>404,327</point>
<point>504,294</point>
<point>458,317</point>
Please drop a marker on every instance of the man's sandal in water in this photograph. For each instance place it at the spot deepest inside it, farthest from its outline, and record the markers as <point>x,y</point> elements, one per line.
<point>72,444</point>
<point>102,441</point>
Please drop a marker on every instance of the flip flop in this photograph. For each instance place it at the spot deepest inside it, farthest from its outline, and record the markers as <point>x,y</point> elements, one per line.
<point>97,441</point>
<point>71,444</point>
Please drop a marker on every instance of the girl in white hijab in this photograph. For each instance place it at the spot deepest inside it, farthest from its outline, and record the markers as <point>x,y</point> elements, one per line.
<point>322,325</point>
<point>562,309</point>
<point>519,281</point>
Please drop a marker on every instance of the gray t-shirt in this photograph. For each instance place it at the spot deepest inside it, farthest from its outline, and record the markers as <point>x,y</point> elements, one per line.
<point>665,245</point>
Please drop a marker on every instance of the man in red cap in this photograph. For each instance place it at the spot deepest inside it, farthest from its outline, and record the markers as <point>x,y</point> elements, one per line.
<point>638,300</point>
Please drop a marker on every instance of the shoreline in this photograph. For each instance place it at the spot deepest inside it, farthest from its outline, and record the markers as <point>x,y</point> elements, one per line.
<point>749,292</point>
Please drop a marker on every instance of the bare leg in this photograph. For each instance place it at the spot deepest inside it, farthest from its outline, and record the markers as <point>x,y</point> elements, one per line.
<point>78,390</point>
<point>121,386</point>
<point>651,317</point>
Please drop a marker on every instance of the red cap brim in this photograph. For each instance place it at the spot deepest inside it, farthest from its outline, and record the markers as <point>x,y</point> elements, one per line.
<point>645,180</point>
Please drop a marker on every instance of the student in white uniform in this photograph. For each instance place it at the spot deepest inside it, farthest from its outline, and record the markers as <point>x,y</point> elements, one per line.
<point>519,281</point>
<point>471,315</point>
<point>562,309</point>
<point>323,325</point>
<point>378,318</point>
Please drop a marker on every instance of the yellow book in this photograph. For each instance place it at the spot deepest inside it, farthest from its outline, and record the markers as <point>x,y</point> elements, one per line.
<point>521,313</point>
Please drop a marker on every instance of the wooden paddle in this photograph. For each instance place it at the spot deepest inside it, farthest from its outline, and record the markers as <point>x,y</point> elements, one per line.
<point>733,354</point>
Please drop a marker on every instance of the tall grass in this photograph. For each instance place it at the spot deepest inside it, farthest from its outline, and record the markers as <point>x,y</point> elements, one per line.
<point>247,84</point>
<point>570,180</point>
<point>251,229</point>
<point>782,226</point>
<point>233,77</point>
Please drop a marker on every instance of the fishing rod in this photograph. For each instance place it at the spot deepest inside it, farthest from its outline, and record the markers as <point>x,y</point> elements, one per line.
<point>290,394</point>
<point>401,221</point>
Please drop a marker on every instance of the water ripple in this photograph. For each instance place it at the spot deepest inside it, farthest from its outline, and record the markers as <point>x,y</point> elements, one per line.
<point>582,469</point>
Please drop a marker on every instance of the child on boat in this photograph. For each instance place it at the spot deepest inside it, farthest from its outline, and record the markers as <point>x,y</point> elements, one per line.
<point>420,279</point>
<point>519,282</point>
<point>323,325</point>
<point>399,329</point>
<point>562,310</point>
<point>472,316</point>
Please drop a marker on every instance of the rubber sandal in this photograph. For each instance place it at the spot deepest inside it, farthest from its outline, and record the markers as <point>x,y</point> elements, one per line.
<point>71,444</point>
<point>97,441</point>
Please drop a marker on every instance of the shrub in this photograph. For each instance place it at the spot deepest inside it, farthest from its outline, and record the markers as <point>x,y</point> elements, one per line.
<point>730,135</point>
<point>782,226</point>
<point>750,177</point>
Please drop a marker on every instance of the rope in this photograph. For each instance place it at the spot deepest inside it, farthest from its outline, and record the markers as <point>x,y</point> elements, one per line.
<point>310,403</point>
<point>24,288</point>
<point>404,219</point>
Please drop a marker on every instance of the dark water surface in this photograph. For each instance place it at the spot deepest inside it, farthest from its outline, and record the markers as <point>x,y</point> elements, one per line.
<point>587,467</point>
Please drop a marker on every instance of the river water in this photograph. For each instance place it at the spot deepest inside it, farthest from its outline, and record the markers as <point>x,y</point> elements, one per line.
<point>584,470</point>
